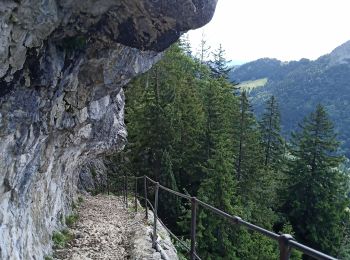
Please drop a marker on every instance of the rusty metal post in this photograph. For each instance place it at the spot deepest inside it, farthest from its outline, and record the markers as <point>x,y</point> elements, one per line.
<point>154,238</point>
<point>146,200</point>
<point>193,227</point>
<point>135,195</point>
<point>285,249</point>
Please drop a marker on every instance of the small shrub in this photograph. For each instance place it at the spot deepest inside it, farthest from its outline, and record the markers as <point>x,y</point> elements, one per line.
<point>61,239</point>
<point>71,220</point>
<point>181,250</point>
<point>48,258</point>
<point>80,199</point>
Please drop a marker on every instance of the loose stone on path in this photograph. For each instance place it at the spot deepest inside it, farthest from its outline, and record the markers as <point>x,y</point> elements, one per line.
<point>105,230</point>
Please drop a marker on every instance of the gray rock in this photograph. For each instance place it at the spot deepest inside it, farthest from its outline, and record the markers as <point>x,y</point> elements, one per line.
<point>62,68</point>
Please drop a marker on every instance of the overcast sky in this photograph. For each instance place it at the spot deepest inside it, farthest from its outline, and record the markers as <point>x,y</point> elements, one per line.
<point>283,29</point>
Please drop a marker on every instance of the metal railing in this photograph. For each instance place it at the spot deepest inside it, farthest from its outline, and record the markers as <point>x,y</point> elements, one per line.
<point>285,241</point>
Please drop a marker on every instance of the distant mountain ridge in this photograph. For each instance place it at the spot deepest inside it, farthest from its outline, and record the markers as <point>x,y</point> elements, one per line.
<point>300,85</point>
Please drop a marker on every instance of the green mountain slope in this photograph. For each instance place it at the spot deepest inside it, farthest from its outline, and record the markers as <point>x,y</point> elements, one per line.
<point>300,85</point>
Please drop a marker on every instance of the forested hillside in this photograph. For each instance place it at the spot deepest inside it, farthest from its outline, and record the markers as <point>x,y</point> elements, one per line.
<point>192,131</point>
<point>300,85</point>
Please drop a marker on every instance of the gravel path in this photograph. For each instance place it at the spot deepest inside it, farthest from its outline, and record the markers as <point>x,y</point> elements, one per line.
<point>103,230</point>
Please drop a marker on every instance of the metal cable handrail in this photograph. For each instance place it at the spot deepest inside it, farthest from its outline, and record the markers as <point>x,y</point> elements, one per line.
<point>286,241</point>
<point>184,196</point>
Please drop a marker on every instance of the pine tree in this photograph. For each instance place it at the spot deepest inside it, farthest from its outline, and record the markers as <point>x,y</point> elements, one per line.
<point>219,64</point>
<point>247,150</point>
<point>165,119</point>
<point>168,180</point>
<point>213,231</point>
<point>218,186</point>
<point>270,129</point>
<point>185,44</point>
<point>315,200</point>
<point>218,190</point>
<point>273,148</point>
<point>204,48</point>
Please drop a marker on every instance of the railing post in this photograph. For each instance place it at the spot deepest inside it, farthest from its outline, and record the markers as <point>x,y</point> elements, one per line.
<point>135,194</point>
<point>285,249</point>
<point>146,200</point>
<point>154,238</point>
<point>193,227</point>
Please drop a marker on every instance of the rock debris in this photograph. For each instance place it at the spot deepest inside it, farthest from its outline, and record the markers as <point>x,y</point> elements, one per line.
<point>105,230</point>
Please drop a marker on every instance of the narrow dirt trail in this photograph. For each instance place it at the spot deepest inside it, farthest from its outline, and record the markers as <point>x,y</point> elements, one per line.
<point>102,231</point>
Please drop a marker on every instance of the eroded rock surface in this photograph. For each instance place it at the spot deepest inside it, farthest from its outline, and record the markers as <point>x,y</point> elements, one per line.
<point>63,64</point>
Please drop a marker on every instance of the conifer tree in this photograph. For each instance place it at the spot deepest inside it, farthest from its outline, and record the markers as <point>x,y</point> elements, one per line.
<point>219,64</point>
<point>218,190</point>
<point>218,187</point>
<point>185,44</point>
<point>248,150</point>
<point>168,180</point>
<point>315,200</point>
<point>204,48</point>
<point>272,141</point>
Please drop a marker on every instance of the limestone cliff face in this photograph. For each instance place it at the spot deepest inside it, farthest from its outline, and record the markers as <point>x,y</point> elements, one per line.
<point>63,64</point>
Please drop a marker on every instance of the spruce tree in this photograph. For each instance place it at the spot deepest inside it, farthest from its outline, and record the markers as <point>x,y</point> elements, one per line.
<point>270,129</point>
<point>204,48</point>
<point>218,187</point>
<point>185,44</point>
<point>247,149</point>
<point>165,120</point>
<point>315,200</point>
<point>168,180</point>
<point>219,64</point>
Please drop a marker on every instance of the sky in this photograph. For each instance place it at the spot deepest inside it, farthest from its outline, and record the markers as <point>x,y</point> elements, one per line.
<point>282,29</point>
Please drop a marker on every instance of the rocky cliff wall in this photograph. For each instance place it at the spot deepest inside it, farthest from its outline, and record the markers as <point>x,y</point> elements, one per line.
<point>63,64</point>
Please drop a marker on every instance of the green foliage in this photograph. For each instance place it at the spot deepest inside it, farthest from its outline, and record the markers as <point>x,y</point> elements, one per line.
<point>167,179</point>
<point>192,133</point>
<point>288,229</point>
<point>272,141</point>
<point>48,258</point>
<point>344,250</point>
<point>247,145</point>
<point>252,84</point>
<point>219,65</point>
<point>62,238</point>
<point>74,205</point>
<point>71,220</point>
<point>182,252</point>
<point>315,200</point>
<point>300,86</point>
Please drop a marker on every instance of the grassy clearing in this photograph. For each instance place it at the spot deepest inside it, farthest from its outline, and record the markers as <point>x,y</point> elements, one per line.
<point>252,84</point>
